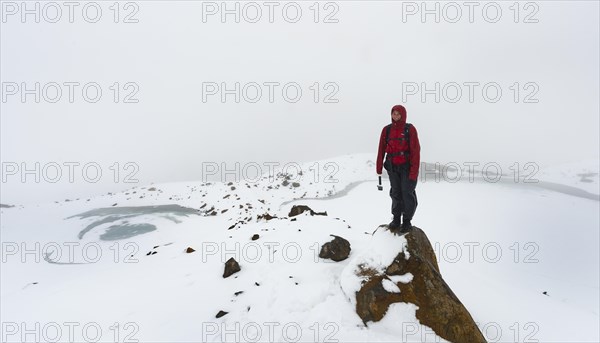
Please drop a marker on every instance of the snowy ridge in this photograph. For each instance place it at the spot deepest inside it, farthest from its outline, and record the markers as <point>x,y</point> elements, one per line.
<point>146,282</point>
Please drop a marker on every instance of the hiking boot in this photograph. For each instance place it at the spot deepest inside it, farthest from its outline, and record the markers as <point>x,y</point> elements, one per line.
<point>406,226</point>
<point>394,224</point>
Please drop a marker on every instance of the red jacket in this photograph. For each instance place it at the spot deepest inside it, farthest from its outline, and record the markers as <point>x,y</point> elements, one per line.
<point>395,145</point>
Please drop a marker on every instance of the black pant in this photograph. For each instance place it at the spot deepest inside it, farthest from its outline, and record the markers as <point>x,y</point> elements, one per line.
<point>402,191</point>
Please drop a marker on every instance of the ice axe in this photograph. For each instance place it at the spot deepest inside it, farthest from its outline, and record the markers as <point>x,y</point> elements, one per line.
<point>379,186</point>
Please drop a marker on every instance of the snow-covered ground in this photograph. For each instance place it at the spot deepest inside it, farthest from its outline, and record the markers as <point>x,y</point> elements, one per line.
<point>583,175</point>
<point>523,259</point>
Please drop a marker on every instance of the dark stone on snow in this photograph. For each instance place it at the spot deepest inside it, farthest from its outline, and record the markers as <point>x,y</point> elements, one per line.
<point>265,216</point>
<point>231,267</point>
<point>338,249</point>
<point>299,209</point>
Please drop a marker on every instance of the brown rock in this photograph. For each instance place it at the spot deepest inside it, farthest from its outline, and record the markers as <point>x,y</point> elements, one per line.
<point>298,209</point>
<point>438,307</point>
<point>338,249</point>
<point>189,250</point>
<point>231,267</point>
<point>265,216</point>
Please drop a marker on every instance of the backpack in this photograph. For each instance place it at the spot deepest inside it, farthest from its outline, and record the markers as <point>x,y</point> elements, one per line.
<point>406,137</point>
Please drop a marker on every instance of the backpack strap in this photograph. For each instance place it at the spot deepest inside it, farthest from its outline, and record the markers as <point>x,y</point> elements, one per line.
<point>387,134</point>
<point>406,135</point>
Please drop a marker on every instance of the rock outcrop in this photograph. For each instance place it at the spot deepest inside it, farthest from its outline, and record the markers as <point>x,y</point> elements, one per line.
<point>417,276</point>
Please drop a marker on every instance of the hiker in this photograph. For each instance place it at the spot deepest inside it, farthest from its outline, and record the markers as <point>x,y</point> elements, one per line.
<point>400,145</point>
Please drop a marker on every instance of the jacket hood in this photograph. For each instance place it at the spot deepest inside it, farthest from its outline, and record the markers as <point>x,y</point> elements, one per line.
<point>402,111</point>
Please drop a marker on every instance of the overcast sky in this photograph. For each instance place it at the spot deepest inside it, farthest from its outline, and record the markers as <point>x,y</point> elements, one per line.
<point>170,62</point>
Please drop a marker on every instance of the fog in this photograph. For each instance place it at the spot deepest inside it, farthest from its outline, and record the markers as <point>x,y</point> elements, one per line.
<point>519,85</point>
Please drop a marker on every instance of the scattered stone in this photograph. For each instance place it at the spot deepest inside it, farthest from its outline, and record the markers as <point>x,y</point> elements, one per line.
<point>338,249</point>
<point>265,216</point>
<point>221,314</point>
<point>234,225</point>
<point>256,283</point>
<point>231,267</point>
<point>151,189</point>
<point>115,204</point>
<point>238,293</point>
<point>189,250</point>
<point>255,237</point>
<point>295,184</point>
<point>299,209</point>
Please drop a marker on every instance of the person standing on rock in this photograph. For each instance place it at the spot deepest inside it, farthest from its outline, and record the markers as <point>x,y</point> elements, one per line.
<point>400,145</point>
